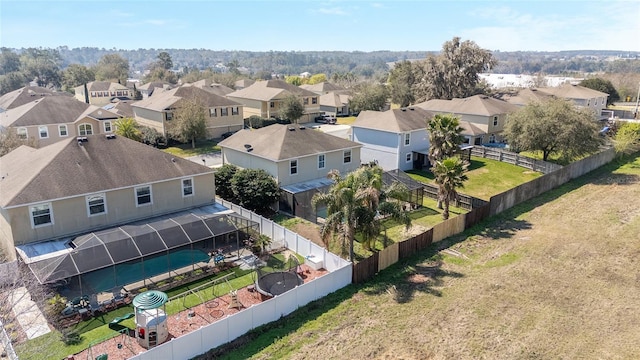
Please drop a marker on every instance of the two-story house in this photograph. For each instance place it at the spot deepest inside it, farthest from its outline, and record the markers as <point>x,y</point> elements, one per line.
<point>581,96</point>
<point>104,211</point>
<point>395,139</point>
<point>101,93</point>
<point>298,157</point>
<point>54,118</point>
<point>483,117</point>
<point>25,95</point>
<point>265,98</point>
<point>209,85</point>
<point>158,111</point>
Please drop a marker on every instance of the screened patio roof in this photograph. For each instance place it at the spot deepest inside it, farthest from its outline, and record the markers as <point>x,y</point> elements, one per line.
<point>116,245</point>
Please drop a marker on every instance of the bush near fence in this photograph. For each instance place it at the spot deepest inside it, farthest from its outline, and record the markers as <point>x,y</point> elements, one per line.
<point>515,159</point>
<point>367,268</point>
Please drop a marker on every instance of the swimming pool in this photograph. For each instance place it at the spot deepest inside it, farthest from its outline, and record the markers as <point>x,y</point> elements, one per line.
<point>127,273</point>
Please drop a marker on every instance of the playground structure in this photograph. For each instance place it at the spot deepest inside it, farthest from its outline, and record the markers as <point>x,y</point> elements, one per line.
<point>151,318</point>
<point>270,284</point>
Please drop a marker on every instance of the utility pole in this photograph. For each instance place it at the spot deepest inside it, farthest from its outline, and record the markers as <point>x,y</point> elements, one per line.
<point>635,112</point>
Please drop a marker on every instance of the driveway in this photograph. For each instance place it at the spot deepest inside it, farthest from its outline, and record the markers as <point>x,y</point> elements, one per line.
<point>342,131</point>
<point>213,159</point>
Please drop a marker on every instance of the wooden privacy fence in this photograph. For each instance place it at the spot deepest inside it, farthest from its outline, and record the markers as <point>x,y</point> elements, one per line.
<point>367,268</point>
<point>466,202</point>
<point>515,159</point>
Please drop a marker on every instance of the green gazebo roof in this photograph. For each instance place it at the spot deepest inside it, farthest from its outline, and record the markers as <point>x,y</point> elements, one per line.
<point>152,299</point>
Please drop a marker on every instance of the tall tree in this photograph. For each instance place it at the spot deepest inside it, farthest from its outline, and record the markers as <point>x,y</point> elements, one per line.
<point>401,83</point>
<point>42,66</point>
<point>76,75</point>
<point>9,140</point>
<point>368,97</point>
<point>553,127</point>
<point>255,189</point>
<point>292,108</point>
<point>453,73</point>
<point>9,61</point>
<point>112,67</point>
<point>627,138</point>
<point>12,81</point>
<point>449,175</point>
<point>128,127</point>
<point>604,86</point>
<point>317,79</point>
<point>223,177</point>
<point>294,80</point>
<point>444,137</point>
<point>164,60</point>
<point>190,121</point>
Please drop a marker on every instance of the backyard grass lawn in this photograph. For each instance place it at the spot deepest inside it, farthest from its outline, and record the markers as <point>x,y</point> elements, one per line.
<point>97,329</point>
<point>185,150</point>
<point>555,277</point>
<point>486,177</point>
<point>347,120</point>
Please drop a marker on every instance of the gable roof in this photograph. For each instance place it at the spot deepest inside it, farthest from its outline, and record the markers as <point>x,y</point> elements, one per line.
<point>121,107</point>
<point>101,86</point>
<point>53,110</point>
<point>269,90</point>
<point>394,120</point>
<point>526,96</point>
<point>334,99</point>
<point>570,91</point>
<point>26,95</point>
<point>323,87</point>
<point>474,105</point>
<point>66,169</point>
<point>279,142</point>
<point>243,83</point>
<point>169,99</point>
<point>218,89</point>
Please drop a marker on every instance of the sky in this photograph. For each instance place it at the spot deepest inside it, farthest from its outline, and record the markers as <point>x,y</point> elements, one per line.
<point>305,25</point>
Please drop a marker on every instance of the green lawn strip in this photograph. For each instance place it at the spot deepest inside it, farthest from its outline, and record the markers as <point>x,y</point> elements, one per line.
<point>347,120</point>
<point>185,150</point>
<point>486,177</point>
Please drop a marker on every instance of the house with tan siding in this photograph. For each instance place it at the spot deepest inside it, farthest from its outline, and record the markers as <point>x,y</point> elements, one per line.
<point>222,115</point>
<point>25,95</point>
<point>102,92</point>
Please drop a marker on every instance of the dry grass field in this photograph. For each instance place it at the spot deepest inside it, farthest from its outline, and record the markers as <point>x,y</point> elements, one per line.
<point>555,278</point>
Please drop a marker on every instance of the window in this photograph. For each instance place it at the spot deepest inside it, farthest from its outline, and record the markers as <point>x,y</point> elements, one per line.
<point>143,195</point>
<point>492,138</point>
<point>495,121</point>
<point>105,93</point>
<point>407,139</point>
<point>96,204</point>
<point>321,161</point>
<point>347,156</point>
<point>293,167</point>
<point>85,129</point>
<point>305,101</point>
<point>314,100</point>
<point>99,94</point>
<point>41,215</point>
<point>93,94</point>
<point>272,104</point>
<point>408,157</point>
<point>603,101</point>
<point>107,126</point>
<point>119,93</point>
<point>62,130</point>
<point>44,132</point>
<point>589,102</point>
<point>224,111</point>
<point>169,116</point>
<point>22,133</point>
<point>235,110</point>
<point>187,187</point>
<point>213,112</point>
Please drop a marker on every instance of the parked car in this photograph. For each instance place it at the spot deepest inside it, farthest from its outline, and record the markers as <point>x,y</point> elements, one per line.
<point>325,119</point>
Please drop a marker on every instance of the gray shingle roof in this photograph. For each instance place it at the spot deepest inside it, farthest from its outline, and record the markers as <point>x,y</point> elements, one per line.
<point>323,87</point>
<point>526,96</point>
<point>27,94</point>
<point>394,120</point>
<point>52,110</point>
<point>277,142</point>
<point>66,169</point>
<point>474,105</point>
<point>570,91</point>
<point>169,99</point>
<point>270,90</point>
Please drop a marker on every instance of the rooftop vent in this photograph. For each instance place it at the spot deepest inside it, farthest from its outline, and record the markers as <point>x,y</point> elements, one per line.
<point>302,127</point>
<point>110,136</point>
<point>403,109</point>
<point>82,139</point>
<point>411,108</point>
<point>247,146</point>
<point>292,129</point>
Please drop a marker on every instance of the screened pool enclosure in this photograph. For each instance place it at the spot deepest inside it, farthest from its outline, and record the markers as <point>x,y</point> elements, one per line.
<point>120,256</point>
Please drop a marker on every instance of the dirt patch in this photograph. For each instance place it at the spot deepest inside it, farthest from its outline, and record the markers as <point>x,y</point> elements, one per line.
<point>309,231</point>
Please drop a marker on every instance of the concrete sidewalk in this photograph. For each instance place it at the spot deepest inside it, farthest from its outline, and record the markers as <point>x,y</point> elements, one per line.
<point>28,314</point>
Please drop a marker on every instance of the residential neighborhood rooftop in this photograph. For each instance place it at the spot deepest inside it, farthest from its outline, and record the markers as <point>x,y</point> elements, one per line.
<point>270,89</point>
<point>474,105</point>
<point>394,120</point>
<point>53,110</point>
<point>26,95</point>
<point>168,99</point>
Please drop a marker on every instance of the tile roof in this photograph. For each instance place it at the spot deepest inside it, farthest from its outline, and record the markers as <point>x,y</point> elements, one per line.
<point>269,90</point>
<point>168,99</point>
<point>66,169</point>
<point>27,94</point>
<point>394,120</point>
<point>53,110</point>
<point>278,142</point>
<point>474,105</point>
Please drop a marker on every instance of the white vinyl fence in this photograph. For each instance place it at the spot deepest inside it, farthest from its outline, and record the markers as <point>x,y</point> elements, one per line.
<point>231,327</point>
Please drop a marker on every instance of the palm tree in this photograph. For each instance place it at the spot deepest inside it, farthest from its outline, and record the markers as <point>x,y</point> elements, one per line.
<point>449,177</point>
<point>444,137</point>
<point>127,127</point>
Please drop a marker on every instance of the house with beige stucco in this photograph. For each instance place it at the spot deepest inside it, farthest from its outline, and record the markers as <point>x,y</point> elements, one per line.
<point>265,99</point>
<point>102,92</point>
<point>25,95</point>
<point>50,119</point>
<point>158,111</point>
<point>298,157</point>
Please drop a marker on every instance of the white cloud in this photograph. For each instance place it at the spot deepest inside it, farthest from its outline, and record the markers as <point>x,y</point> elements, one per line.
<point>156,22</point>
<point>333,11</point>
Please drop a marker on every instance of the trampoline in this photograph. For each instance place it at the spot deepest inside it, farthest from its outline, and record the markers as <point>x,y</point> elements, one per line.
<point>275,283</point>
